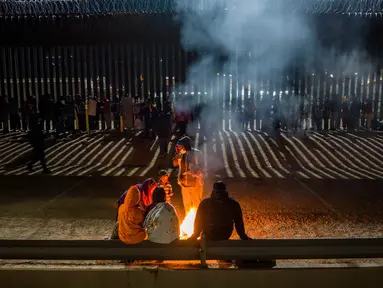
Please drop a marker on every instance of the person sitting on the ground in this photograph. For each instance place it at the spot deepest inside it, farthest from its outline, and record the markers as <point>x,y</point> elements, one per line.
<point>164,183</point>
<point>130,219</point>
<point>161,222</point>
<point>217,214</point>
<point>146,190</point>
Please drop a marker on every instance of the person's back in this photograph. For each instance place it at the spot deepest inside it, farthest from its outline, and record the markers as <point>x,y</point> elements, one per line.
<point>13,107</point>
<point>81,107</point>
<point>249,109</point>
<point>69,108</point>
<point>162,125</point>
<point>106,105</point>
<point>59,108</point>
<point>43,106</point>
<point>92,109</point>
<point>355,108</point>
<point>50,108</point>
<point>127,103</point>
<point>219,221</point>
<point>217,215</point>
<point>131,218</point>
<point>335,107</point>
<point>345,107</point>
<point>368,108</point>
<point>162,223</point>
<point>36,135</point>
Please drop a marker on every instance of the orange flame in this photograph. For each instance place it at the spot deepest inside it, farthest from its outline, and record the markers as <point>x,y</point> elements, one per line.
<point>187,226</point>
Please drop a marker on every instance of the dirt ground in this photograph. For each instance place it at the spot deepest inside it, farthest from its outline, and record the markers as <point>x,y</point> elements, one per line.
<point>85,208</point>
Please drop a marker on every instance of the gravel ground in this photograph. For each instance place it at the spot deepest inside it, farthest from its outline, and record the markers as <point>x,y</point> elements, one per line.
<point>84,208</point>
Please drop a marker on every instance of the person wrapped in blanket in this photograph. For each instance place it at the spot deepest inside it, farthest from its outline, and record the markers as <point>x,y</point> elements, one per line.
<point>161,221</point>
<point>131,212</point>
<point>130,219</point>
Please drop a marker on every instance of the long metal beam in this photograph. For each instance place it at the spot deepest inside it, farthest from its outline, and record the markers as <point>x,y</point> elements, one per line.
<point>96,250</point>
<point>185,250</point>
<point>296,249</point>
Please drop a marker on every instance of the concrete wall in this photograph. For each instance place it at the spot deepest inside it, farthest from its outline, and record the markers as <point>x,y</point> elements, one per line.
<point>143,278</point>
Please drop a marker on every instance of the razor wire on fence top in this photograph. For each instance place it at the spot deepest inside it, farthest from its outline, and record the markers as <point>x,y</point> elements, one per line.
<point>369,8</point>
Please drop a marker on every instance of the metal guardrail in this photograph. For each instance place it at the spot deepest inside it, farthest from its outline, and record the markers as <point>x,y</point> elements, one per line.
<point>185,250</point>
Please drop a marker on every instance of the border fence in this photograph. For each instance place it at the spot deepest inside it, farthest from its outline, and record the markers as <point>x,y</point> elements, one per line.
<point>142,55</point>
<point>154,70</point>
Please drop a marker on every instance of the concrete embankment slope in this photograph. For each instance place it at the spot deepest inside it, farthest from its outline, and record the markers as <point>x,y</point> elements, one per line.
<point>104,276</point>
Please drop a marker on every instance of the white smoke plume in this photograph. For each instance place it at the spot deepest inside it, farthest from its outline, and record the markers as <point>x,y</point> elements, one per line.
<point>245,38</point>
<point>259,34</point>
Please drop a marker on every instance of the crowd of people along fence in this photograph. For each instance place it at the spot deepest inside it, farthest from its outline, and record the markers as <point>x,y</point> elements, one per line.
<point>86,114</point>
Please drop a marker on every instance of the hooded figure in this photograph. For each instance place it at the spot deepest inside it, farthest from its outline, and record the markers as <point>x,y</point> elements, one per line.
<point>161,222</point>
<point>217,215</point>
<point>146,190</point>
<point>131,218</point>
<point>190,174</point>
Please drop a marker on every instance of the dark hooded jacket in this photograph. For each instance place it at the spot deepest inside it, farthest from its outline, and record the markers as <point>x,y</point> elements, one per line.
<point>162,125</point>
<point>217,215</point>
<point>36,134</point>
<point>192,162</point>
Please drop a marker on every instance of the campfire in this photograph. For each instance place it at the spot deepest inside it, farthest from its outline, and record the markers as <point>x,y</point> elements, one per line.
<point>187,226</point>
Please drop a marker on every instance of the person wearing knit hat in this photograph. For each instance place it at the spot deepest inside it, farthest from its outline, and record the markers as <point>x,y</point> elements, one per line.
<point>217,215</point>
<point>190,173</point>
<point>164,183</point>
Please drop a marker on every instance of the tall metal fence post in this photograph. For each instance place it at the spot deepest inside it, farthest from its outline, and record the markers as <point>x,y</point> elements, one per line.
<point>121,123</point>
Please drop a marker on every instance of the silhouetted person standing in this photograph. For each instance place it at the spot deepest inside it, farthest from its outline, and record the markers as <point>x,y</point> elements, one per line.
<point>326,113</point>
<point>36,139</point>
<point>369,114</point>
<point>14,115</point>
<point>190,175</point>
<point>50,113</point>
<point>335,108</point>
<point>346,114</point>
<point>80,108</point>
<point>162,127</point>
<point>128,104</point>
<point>69,114</point>
<point>60,108</point>
<point>92,113</point>
<point>355,113</point>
